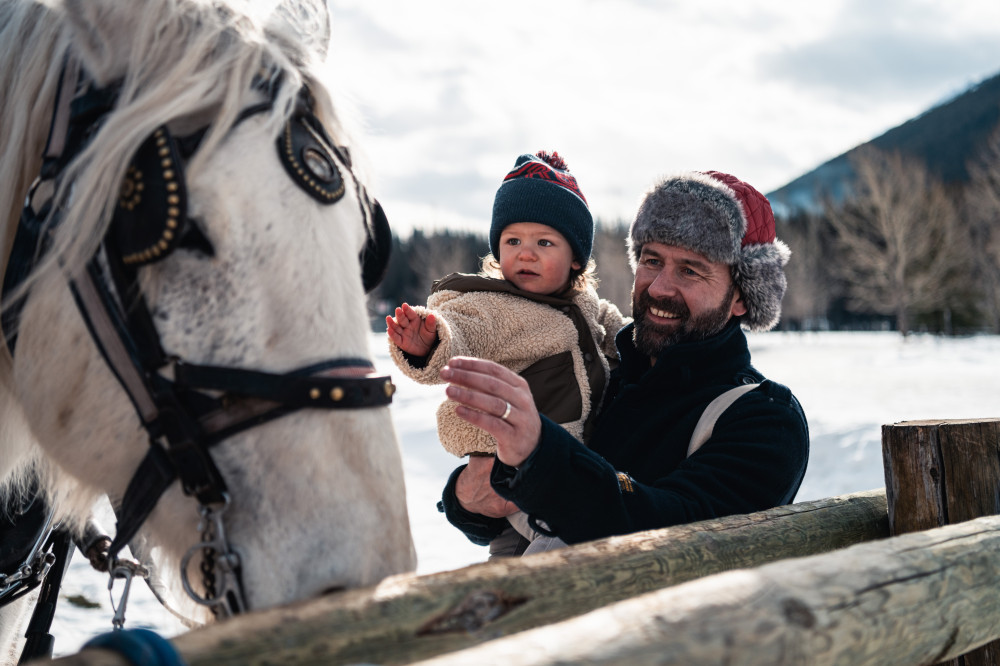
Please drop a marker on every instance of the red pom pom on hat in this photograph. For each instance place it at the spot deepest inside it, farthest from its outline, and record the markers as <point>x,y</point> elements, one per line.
<point>552,159</point>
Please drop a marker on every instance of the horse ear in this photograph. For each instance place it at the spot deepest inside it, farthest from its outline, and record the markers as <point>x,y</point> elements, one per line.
<point>97,27</point>
<point>307,22</point>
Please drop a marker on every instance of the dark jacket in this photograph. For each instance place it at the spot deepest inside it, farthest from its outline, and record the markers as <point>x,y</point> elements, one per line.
<point>635,475</point>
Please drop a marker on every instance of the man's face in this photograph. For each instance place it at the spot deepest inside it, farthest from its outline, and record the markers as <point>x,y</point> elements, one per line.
<point>680,296</point>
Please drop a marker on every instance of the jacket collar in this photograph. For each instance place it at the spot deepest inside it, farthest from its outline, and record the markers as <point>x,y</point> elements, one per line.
<point>720,356</point>
<point>466,282</point>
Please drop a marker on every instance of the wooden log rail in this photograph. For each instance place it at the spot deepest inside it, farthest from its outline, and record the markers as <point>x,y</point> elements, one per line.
<point>914,599</point>
<point>407,618</point>
<point>940,473</point>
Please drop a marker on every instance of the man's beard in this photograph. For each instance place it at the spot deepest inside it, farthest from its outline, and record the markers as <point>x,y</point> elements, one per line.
<point>651,339</point>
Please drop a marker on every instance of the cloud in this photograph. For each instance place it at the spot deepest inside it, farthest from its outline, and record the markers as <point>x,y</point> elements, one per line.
<point>453,91</point>
<point>877,52</point>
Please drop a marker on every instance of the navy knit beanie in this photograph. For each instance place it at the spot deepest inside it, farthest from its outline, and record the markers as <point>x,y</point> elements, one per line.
<point>541,189</point>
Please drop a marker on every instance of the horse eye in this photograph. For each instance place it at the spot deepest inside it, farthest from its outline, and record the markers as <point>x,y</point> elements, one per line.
<point>319,165</point>
<point>194,239</point>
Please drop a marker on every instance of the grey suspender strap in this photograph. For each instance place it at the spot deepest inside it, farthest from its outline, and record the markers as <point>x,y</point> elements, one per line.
<point>715,409</point>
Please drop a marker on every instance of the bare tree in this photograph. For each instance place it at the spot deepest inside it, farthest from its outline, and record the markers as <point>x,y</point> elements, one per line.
<point>811,284</point>
<point>899,237</point>
<point>982,203</point>
<point>613,269</point>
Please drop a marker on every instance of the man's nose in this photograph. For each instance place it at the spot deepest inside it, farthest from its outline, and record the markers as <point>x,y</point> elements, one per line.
<point>663,285</point>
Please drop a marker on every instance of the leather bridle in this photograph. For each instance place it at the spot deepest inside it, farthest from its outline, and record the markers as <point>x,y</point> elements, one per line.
<point>200,405</point>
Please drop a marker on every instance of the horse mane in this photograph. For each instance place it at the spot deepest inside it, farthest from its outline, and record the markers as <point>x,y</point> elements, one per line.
<point>178,59</point>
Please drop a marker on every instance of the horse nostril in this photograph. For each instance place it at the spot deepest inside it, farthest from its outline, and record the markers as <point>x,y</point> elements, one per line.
<point>332,590</point>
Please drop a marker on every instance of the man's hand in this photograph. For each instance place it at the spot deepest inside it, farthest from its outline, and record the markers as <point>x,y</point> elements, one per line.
<point>475,493</point>
<point>497,400</point>
<point>410,332</point>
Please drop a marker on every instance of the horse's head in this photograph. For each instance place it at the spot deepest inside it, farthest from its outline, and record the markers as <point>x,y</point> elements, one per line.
<point>231,254</point>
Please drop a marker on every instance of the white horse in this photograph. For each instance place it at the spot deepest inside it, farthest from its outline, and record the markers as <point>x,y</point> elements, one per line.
<point>273,284</point>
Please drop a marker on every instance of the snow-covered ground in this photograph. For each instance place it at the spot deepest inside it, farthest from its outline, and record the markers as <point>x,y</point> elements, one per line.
<point>850,384</point>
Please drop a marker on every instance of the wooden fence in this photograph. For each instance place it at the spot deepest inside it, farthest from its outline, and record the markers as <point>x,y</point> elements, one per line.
<point>812,583</point>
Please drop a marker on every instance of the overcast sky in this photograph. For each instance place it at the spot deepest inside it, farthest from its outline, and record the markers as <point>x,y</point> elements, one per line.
<point>451,91</point>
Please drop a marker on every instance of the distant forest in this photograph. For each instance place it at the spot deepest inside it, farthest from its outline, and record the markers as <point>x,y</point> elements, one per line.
<point>900,250</point>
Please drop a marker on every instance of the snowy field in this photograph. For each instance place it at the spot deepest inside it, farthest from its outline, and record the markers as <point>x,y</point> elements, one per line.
<point>850,384</point>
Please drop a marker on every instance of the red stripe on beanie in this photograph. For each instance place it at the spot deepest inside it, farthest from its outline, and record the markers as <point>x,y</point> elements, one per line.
<point>546,171</point>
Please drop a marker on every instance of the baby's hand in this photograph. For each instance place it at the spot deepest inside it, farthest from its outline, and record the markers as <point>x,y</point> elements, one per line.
<point>411,333</point>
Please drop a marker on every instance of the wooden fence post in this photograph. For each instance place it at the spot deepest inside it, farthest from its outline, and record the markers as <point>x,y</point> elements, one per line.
<point>940,473</point>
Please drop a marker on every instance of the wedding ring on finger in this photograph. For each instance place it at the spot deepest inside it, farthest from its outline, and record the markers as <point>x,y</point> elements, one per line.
<point>506,412</point>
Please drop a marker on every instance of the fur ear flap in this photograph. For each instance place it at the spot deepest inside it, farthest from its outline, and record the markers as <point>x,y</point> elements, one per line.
<point>97,26</point>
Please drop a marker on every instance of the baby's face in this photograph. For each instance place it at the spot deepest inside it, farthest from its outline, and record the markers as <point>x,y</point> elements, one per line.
<point>535,257</point>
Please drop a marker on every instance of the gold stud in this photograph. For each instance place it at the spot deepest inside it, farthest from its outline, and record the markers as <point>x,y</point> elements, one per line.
<point>164,151</point>
<point>389,388</point>
<point>168,174</point>
<point>166,162</point>
<point>169,235</point>
<point>173,211</point>
<point>172,187</point>
<point>162,245</point>
<point>173,199</point>
<point>314,393</point>
<point>337,394</point>
<point>171,223</point>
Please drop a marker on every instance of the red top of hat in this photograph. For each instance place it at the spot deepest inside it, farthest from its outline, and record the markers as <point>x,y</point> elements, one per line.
<point>756,208</point>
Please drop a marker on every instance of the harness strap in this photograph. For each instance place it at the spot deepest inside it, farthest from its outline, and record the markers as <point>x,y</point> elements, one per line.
<point>706,424</point>
<point>100,318</point>
<point>151,479</point>
<point>293,390</point>
<point>69,77</point>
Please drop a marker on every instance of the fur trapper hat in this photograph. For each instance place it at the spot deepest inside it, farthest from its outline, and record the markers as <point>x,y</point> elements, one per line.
<point>726,220</point>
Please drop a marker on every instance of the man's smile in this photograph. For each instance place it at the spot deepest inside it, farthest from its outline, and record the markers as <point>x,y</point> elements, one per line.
<point>663,314</point>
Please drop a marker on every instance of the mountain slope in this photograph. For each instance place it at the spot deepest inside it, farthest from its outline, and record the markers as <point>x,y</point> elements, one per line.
<point>946,138</point>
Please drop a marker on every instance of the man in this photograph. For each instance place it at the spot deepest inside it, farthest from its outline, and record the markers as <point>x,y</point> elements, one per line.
<point>706,262</point>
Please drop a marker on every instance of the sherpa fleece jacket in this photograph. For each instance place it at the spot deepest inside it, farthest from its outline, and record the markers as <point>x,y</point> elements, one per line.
<point>635,473</point>
<point>559,344</point>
